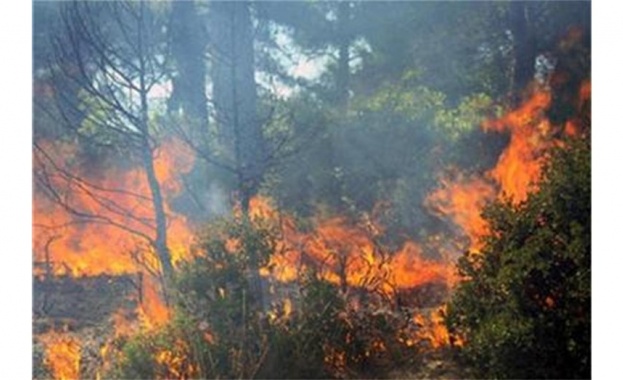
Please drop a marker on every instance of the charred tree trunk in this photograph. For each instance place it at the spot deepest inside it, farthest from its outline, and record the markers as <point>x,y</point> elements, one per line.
<point>160,242</point>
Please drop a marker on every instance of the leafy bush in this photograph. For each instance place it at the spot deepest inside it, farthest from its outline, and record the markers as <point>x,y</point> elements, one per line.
<point>525,307</point>
<point>168,353</point>
<point>217,331</point>
<point>329,338</point>
<point>298,343</point>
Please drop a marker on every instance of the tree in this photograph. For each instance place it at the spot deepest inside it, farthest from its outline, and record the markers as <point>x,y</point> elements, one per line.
<point>329,29</point>
<point>523,42</point>
<point>250,131</point>
<point>188,43</point>
<point>109,54</point>
<point>235,94</point>
<point>524,308</point>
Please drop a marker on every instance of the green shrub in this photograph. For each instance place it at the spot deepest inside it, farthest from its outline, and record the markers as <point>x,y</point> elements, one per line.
<point>171,352</point>
<point>525,308</point>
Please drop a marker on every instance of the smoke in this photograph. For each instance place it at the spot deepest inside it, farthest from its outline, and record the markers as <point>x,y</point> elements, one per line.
<point>216,200</point>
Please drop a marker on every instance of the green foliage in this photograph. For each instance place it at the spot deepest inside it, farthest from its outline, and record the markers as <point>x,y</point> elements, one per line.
<point>469,114</point>
<point>298,344</point>
<point>525,308</point>
<point>170,352</point>
<point>459,48</point>
<point>217,291</point>
<point>388,146</point>
<point>221,331</point>
<point>218,330</point>
<point>329,338</point>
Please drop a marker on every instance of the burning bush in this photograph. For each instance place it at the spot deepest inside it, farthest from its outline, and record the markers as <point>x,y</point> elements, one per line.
<point>166,353</point>
<point>231,323</point>
<point>524,309</point>
<point>217,331</point>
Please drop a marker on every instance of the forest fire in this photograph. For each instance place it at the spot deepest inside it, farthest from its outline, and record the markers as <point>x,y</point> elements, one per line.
<point>345,253</point>
<point>62,354</point>
<point>342,253</point>
<point>111,239</point>
<point>519,167</point>
<point>348,255</point>
<point>115,208</point>
<point>517,171</point>
<point>225,190</point>
<point>110,242</point>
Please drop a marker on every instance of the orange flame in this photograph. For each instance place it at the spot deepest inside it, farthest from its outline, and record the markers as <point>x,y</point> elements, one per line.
<point>62,354</point>
<point>519,167</point>
<point>516,173</point>
<point>153,311</point>
<point>463,200</point>
<point>585,93</point>
<point>342,251</point>
<point>176,362</point>
<point>432,329</point>
<point>117,194</point>
<point>120,194</point>
<point>410,269</point>
<point>347,254</point>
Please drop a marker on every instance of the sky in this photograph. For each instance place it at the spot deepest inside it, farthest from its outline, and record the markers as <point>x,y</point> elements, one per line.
<point>298,64</point>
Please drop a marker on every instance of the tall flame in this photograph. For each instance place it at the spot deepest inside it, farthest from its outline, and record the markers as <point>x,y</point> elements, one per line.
<point>120,199</point>
<point>519,167</point>
<point>517,172</point>
<point>463,199</point>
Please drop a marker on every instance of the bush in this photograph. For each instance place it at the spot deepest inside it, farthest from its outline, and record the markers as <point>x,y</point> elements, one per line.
<point>298,343</point>
<point>168,353</point>
<point>329,338</point>
<point>524,309</point>
<point>217,330</point>
<point>224,329</point>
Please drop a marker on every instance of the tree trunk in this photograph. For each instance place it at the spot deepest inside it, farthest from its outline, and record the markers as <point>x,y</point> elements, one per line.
<point>188,48</point>
<point>160,242</point>
<point>524,45</point>
<point>235,94</point>
<point>235,98</point>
